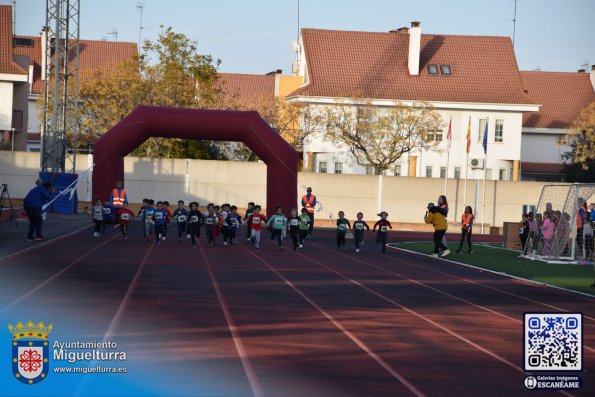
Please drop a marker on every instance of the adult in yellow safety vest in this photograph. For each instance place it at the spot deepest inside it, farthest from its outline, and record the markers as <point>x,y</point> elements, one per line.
<point>309,202</point>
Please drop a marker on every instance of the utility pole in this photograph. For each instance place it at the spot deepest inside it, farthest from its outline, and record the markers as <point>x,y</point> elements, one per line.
<point>141,7</point>
<point>60,111</point>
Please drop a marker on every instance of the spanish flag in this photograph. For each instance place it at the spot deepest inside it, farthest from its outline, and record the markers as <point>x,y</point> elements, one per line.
<point>469,136</point>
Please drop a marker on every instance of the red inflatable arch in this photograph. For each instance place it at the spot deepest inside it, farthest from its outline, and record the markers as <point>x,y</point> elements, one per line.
<point>219,125</point>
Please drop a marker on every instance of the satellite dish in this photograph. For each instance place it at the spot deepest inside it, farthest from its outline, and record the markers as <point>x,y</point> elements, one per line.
<point>294,46</point>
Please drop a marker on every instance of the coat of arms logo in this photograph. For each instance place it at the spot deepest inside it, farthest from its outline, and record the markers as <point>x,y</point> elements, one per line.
<point>30,351</point>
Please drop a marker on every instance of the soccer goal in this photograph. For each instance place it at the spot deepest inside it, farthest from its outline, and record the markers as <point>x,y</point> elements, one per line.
<point>560,204</point>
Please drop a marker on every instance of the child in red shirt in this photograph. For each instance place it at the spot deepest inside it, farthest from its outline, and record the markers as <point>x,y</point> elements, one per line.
<point>255,220</point>
<point>124,217</point>
<point>383,225</point>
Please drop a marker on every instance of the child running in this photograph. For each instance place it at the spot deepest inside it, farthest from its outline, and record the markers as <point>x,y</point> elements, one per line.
<point>124,217</point>
<point>147,218</point>
<point>256,219</point>
<point>342,225</point>
<point>211,220</point>
<point>466,227</point>
<point>359,227</point>
<point>180,216</point>
<point>294,228</point>
<point>194,222</point>
<point>304,226</point>
<point>249,212</point>
<point>234,220</point>
<point>167,218</point>
<point>97,213</point>
<point>279,222</point>
<point>383,225</point>
<point>159,217</point>
<point>108,214</point>
<point>224,226</point>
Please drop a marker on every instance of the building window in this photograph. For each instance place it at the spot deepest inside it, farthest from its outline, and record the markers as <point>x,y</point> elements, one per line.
<point>433,69</point>
<point>370,170</point>
<point>499,134</point>
<point>489,174</point>
<point>442,172</point>
<point>338,168</point>
<point>428,171</point>
<point>435,136</point>
<point>322,167</point>
<point>397,171</point>
<point>503,174</point>
<point>457,172</point>
<point>482,129</point>
<point>445,70</point>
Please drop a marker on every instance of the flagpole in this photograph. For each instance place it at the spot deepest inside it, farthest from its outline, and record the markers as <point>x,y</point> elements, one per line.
<point>448,141</point>
<point>467,163</point>
<point>485,169</point>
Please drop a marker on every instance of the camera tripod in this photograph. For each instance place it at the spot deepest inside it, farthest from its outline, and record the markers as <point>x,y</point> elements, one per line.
<point>5,196</point>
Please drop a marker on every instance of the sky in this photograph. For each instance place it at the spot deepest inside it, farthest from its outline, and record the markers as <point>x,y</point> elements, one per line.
<point>255,36</point>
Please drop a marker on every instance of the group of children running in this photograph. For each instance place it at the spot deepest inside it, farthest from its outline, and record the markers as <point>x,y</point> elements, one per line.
<point>225,221</point>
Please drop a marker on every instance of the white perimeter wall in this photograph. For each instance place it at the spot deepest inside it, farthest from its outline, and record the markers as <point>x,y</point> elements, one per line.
<point>404,198</point>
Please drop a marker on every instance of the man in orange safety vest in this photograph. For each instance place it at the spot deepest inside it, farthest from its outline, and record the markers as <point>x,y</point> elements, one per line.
<point>309,202</point>
<point>118,197</point>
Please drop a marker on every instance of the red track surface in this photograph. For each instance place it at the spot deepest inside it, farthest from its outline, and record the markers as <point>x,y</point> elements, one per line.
<point>277,323</point>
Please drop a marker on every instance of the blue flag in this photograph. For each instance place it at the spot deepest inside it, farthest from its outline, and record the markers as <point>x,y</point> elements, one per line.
<point>485,138</point>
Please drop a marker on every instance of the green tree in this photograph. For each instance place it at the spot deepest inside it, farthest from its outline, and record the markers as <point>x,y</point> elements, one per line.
<point>380,137</point>
<point>580,160</point>
<point>170,72</point>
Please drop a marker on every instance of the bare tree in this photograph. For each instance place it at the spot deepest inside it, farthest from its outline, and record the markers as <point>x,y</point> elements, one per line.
<point>380,137</point>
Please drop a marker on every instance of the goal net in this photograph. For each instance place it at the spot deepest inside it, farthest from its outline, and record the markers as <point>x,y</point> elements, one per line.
<point>561,239</point>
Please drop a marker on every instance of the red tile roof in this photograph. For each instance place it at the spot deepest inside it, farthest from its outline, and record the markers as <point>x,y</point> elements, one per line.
<point>34,136</point>
<point>563,96</point>
<point>7,64</point>
<point>93,55</point>
<point>248,88</point>
<point>341,63</point>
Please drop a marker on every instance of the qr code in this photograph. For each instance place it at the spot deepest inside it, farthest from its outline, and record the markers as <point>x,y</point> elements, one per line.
<point>553,341</point>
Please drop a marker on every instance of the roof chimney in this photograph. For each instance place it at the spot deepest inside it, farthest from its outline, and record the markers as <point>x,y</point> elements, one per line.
<point>414,48</point>
<point>592,76</point>
<point>582,70</point>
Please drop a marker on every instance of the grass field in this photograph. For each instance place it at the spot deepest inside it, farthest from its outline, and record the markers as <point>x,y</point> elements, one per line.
<point>574,277</point>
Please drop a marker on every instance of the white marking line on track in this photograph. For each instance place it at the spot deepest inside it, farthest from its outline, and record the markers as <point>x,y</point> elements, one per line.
<point>421,316</point>
<point>54,276</point>
<point>488,286</point>
<point>115,323</point>
<point>338,325</point>
<point>255,385</point>
<point>40,245</point>
<point>437,290</point>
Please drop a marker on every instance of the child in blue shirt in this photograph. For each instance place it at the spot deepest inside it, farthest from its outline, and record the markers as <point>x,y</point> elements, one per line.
<point>147,216</point>
<point>233,221</point>
<point>108,213</point>
<point>180,216</point>
<point>159,217</point>
<point>279,222</point>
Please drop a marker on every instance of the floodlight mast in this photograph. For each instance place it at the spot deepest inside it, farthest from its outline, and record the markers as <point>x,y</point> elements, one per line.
<point>61,66</point>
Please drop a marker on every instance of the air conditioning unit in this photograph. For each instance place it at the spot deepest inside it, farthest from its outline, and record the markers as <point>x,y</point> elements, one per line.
<point>476,164</point>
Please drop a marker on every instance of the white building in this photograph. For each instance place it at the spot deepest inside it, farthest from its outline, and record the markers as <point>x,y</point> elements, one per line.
<point>465,78</point>
<point>544,139</point>
<point>14,87</point>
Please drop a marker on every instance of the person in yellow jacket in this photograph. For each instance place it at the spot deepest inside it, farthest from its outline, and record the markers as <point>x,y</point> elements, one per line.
<point>435,217</point>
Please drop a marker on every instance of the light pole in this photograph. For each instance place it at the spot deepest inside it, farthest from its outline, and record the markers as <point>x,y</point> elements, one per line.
<point>12,139</point>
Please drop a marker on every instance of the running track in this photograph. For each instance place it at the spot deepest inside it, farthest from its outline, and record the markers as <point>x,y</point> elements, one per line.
<point>313,323</point>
